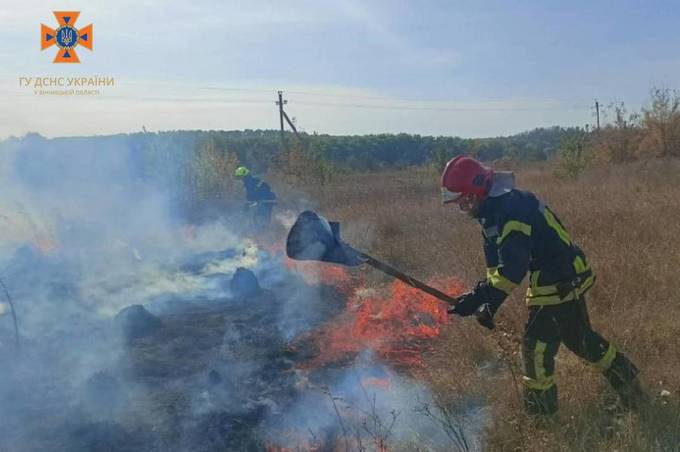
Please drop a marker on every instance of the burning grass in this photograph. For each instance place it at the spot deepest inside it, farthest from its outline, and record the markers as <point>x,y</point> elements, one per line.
<point>625,218</point>
<point>397,322</point>
<point>211,378</point>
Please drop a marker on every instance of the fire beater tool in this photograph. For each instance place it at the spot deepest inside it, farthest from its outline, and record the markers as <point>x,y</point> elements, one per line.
<point>313,238</point>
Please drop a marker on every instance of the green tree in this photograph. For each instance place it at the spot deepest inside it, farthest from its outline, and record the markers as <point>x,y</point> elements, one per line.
<point>574,155</point>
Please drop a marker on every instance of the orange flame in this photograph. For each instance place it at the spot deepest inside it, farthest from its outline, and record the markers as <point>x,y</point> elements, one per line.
<point>398,326</point>
<point>381,383</point>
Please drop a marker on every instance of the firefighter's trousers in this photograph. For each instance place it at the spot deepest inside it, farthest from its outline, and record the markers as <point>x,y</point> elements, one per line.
<point>568,323</point>
<point>263,215</point>
<point>260,214</point>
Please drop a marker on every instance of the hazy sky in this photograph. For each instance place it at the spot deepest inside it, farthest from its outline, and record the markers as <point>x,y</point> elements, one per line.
<point>469,68</point>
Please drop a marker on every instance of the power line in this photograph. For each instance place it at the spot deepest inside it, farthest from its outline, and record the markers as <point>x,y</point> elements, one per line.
<point>345,96</point>
<point>338,96</point>
<point>184,99</point>
<point>322,94</point>
<point>433,108</point>
<point>393,99</point>
<point>208,88</point>
<point>389,104</point>
<point>300,93</point>
<point>403,106</point>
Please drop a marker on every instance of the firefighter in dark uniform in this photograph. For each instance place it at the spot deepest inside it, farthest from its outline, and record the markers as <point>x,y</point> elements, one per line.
<point>521,234</point>
<point>259,197</point>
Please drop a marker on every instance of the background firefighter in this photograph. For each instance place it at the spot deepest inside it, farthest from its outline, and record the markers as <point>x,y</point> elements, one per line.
<point>260,198</point>
<point>521,234</point>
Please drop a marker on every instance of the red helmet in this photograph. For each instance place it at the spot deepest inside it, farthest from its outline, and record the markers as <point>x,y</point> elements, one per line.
<point>464,175</point>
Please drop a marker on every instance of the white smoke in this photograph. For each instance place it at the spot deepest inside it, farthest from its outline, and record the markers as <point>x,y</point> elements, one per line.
<point>368,403</point>
<point>83,235</point>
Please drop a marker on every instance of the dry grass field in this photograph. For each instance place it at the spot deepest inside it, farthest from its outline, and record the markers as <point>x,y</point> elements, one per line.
<point>627,220</point>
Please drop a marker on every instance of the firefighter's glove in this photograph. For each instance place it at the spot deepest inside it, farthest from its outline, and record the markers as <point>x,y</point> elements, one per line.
<point>468,303</point>
<point>485,315</point>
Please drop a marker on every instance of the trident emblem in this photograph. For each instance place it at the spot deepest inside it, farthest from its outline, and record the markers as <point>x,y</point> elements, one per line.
<point>67,37</point>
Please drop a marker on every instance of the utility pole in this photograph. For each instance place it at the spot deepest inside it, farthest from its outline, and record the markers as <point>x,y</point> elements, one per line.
<point>281,103</point>
<point>597,113</point>
<point>290,123</point>
<point>282,116</point>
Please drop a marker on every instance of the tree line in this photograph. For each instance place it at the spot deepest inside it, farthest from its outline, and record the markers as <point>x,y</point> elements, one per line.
<point>260,148</point>
<point>201,159</point>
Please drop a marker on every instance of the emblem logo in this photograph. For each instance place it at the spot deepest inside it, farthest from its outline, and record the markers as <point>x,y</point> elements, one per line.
<point>67,37</point>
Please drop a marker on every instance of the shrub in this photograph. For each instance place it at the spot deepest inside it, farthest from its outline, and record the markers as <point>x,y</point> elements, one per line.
<point>574,155</point>
<point>619,142</point>
<point>662,120</point>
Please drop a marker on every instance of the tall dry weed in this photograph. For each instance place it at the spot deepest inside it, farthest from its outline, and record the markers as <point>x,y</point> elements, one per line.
<point>625,217</point>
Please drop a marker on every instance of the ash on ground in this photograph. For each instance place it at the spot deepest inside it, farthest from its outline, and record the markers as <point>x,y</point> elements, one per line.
<point>185,372</point>
<point>210,367</point>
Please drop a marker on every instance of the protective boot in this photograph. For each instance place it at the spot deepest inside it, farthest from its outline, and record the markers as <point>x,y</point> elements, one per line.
<point>622,376</point>
<point>541,402</point>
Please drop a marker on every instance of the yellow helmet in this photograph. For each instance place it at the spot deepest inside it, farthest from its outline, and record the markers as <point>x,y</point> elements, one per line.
<point>241,171</point>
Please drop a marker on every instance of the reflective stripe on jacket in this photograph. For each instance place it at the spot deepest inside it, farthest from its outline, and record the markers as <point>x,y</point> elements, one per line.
<point>521,234</point>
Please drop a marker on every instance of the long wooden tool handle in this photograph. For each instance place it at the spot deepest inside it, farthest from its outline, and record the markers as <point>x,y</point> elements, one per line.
<point>385,268</point>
